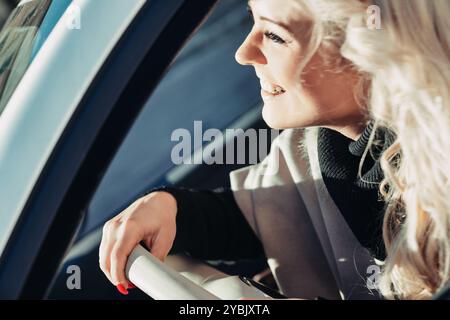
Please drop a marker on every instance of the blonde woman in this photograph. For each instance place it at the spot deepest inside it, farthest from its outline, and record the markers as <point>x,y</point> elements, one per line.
<point>358,206</point>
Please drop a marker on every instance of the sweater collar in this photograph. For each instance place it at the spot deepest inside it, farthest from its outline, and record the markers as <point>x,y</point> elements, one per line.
<point>340,157</point>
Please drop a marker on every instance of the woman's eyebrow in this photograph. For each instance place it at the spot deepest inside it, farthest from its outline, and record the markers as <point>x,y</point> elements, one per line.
<point>280,24</point>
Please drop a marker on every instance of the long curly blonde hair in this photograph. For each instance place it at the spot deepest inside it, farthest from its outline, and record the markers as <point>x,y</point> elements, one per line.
<point>406,64</point>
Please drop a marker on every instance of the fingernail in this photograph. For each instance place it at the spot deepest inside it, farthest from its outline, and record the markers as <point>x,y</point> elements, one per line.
<point>131,285</point>
<point>122,289</point>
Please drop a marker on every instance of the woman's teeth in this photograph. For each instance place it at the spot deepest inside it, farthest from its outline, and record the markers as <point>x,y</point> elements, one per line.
<point>271,89</point>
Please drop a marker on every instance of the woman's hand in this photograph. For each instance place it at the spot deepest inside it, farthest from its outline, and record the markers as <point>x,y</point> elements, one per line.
<point>151,219</point>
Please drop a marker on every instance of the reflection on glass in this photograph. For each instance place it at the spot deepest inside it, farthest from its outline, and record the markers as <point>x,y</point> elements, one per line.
<point>16,45</point>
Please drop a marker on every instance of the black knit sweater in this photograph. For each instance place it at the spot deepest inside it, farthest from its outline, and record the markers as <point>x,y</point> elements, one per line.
<point>355,193</point>
<point>211,226</point>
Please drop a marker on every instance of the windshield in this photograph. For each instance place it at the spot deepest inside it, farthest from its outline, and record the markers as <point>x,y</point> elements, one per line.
<point>23,35</point>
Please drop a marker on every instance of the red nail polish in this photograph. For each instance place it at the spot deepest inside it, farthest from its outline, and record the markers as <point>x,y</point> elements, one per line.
<point>122,289</point>
<point>131,285</point>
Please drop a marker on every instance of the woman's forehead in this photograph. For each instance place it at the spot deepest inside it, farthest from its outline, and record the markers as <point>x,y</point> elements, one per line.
<point>283,9</point>
<point>292,13</point>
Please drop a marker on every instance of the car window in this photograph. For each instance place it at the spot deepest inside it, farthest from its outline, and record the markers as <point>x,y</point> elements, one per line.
<point>203,84</point>
<point>23,35</point>
<point>69,59</point>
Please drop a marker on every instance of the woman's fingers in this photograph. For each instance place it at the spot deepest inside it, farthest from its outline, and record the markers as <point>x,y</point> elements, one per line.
<point>105,249</point>
<point>128,238</point>
<point>150,219</point>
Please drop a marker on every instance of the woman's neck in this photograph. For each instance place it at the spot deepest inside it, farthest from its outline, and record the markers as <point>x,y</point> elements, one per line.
<point>352,131</point>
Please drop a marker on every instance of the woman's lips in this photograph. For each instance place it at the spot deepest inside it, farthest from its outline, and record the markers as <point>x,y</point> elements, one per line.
<point>270,90</point>
<point>266,94</point>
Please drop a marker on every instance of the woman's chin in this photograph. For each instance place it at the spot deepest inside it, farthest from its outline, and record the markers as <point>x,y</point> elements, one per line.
<point>282,116</point>
<point>275,118</point>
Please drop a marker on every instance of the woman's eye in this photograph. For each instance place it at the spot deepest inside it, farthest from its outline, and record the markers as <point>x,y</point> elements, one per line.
<point>272,36</point>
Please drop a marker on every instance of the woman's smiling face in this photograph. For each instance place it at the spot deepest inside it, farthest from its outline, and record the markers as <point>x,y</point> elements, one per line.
<point>294,94</point>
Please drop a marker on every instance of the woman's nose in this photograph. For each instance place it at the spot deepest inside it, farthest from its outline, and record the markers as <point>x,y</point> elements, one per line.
<point>249,53</point>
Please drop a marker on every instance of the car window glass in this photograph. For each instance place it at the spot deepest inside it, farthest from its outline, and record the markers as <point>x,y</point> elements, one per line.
<point>203,84</point>
<point>23,35</point>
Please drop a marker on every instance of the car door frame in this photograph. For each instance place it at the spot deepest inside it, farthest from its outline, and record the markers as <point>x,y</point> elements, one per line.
<point>57,203</point>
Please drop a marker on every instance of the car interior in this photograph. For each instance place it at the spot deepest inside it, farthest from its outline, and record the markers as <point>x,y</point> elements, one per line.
<point>189,92</point>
